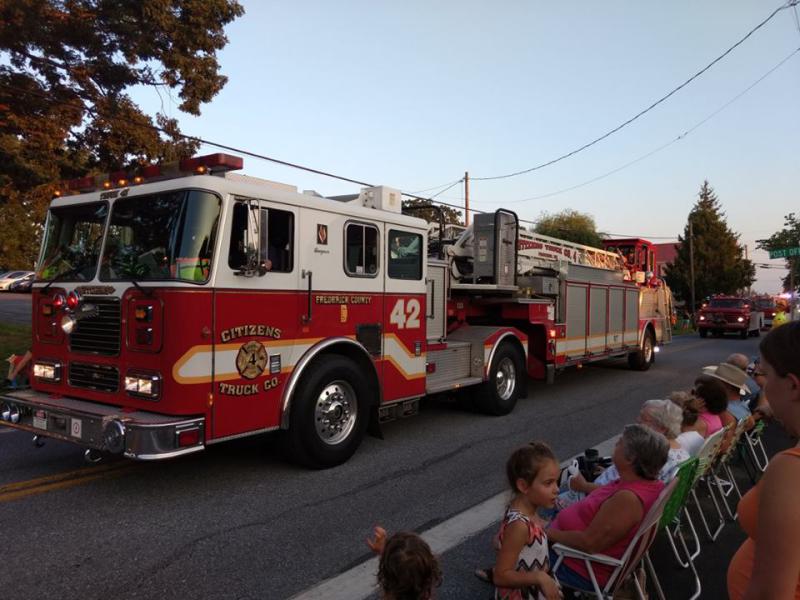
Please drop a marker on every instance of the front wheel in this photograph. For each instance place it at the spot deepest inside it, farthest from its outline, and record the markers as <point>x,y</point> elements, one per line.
<point>642,359</point>
<point>499,394</point>
<point>744,334</point>
<point>703,333</point>
<point>329,414</point>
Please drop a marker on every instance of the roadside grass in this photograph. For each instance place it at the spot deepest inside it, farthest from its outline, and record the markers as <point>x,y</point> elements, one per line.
<point>14,339</point>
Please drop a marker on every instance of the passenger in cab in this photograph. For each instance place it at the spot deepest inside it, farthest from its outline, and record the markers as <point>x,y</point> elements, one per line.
<point>607,519</point>
<point>767,565</point>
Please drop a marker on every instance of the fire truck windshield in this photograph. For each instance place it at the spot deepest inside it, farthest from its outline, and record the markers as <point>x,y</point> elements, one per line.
<point>726,303</point>
<point>72,242</point>
<point>164,236</point>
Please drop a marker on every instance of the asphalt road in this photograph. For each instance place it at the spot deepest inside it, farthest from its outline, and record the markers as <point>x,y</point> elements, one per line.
<point>15,308</point>
<point>237,522</point>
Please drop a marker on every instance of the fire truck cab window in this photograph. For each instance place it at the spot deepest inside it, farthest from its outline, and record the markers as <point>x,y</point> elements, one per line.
<point>405,255</point>
<point>72,242</point>
<point>164,236</point>
<point>279,238</point>
<point>361,250</point>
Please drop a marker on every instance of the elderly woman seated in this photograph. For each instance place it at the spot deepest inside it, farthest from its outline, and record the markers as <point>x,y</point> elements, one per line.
<point>607,519</point>
<point>662,416</point>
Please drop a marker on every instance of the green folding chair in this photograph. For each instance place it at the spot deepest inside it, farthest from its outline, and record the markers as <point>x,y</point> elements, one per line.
<point>707,457</point>
<point>670,523</point>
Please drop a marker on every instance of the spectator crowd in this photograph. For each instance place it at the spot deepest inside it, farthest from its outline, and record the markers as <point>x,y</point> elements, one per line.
<point>584,530</point>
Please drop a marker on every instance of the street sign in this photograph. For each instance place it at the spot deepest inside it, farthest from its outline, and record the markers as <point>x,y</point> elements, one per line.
<point>784,252</point>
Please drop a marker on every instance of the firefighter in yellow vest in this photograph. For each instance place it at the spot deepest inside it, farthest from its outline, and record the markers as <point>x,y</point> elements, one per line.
<point>780,317</point>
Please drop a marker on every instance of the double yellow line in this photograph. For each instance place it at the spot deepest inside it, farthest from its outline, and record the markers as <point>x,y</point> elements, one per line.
<point>60,481</point>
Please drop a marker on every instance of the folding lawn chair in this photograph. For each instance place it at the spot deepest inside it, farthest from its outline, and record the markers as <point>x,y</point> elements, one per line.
<point>670,522</point>
<point>707,455</point>
<point>754,446</point>
<point>726,487</point>
<point>626,565</point>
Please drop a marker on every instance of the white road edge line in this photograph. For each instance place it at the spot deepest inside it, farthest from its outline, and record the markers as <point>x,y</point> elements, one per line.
<point>359,582</point>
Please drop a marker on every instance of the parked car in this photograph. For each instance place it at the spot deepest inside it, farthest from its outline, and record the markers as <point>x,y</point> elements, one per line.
<point>22,286</point>
<point>12,277</point>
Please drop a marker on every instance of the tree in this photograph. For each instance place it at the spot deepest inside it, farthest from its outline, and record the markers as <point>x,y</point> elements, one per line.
<point>788,237</point>
<point>570,225</point>
<point>65,69</point>
<point>431,215</point>
<point>719,264</point>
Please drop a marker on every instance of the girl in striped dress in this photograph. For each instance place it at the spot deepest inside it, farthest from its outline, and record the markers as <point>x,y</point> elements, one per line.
<point>522,570</point>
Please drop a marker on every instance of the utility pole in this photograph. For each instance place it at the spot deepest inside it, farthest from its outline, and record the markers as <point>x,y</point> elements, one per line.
<point>691,266</point>
<point>747,257</point>
<point>466,198</point>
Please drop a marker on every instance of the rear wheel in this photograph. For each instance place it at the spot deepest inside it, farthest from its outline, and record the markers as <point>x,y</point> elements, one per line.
<point>499,394</point>
<point>642,359</point>
<point>329,414</point>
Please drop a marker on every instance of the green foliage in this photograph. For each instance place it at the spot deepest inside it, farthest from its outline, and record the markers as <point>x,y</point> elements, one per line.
<point>65,68</point>
<point>719,265</point>
<point>788,237</point>
<point>451,215</point>
<point>14,339</point>
<point>570,225</point>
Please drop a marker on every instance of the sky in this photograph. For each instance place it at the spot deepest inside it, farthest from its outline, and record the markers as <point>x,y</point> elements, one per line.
<point>414,94</point>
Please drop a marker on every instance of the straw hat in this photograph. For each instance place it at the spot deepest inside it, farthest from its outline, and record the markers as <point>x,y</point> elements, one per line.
<point>729,374</point>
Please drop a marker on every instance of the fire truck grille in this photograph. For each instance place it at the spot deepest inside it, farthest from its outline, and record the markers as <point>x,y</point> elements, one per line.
<point>103,378</point>
<point>100,333</point>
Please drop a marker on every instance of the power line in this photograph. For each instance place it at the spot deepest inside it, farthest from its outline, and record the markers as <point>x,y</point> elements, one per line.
<point>660,148</point>
<point>449,184</point>
<point>791,3</point>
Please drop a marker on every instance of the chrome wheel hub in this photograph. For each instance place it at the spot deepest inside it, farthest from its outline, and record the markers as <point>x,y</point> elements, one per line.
<point>335,412</point>
<point>506,378</point>
<point>648,349</point>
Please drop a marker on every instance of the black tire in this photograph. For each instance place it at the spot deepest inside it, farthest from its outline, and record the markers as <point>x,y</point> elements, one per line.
<point>317,442</point>
<point>757,332</point>
<point>506,384</point>
<point>744,334</point>
<point>645,356</point>
<point>703,333</point>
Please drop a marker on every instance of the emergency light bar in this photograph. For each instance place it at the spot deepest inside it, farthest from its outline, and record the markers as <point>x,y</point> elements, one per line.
<point>198,165</point>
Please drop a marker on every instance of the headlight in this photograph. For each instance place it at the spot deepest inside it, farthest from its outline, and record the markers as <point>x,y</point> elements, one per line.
<point>702,318</point>
<point>68,323</point>
<point>740,319</point>
<point>47,371</point>
<point>145,385</point>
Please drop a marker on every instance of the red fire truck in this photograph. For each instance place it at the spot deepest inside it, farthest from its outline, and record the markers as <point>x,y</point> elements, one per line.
<point>188,305</point>
<point>721,314</point>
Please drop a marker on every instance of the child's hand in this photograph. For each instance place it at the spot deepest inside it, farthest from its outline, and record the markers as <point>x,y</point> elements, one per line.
<point>379,542</point>
<point>550,588</point>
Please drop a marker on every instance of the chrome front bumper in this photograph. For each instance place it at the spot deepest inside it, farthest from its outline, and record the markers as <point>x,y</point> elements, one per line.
<point>141,435</point>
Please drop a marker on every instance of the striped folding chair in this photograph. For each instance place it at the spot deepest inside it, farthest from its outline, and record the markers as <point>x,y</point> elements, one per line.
<point>725,487</point>
<point>706,457</point>
<point>625,566</point>
<point>674,510</point>
<point>754,446</point>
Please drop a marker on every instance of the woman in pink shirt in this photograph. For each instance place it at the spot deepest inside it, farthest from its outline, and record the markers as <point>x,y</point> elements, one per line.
<point>607,519</point>
<point>715,402</point>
